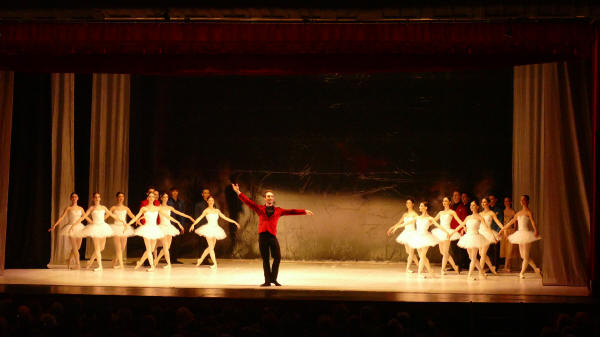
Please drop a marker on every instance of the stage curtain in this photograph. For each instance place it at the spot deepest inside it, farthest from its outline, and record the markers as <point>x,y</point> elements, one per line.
<point>6,111</point>
<point>550,156</point>
<point>63,160</point>
<point>109,142</point>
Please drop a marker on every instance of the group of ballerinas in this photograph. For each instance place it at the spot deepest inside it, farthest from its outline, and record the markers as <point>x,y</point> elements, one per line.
<point>148,218</point>
<point>477,239</point>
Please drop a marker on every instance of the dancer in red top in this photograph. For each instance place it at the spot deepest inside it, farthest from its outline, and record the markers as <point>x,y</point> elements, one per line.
<point>268,215</point>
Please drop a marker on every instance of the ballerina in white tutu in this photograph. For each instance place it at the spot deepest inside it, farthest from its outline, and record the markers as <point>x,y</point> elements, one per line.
<point>211,230</point>
<point>167,228</point>
<point>491,235</point>
<point>445,218</point>
<point>121,231</point>
<point>524,236</point>
<point>98,230</point>
<point>73,229</point>
<point>422,239</point>
<point>472,241</point>
<point>407,221</point>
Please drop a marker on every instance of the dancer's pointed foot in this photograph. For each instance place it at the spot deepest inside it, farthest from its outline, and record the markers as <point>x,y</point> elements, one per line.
<point>266,284</point>
<point>493,269</point>
<point>421,276</point>
<point>167,266</point>
<point>213,266</point>
<point>483,275</point>
<point>538,272</point>
<point>470,277</point>
<point>521,275</point>
<point>118,267</point>
<point>137,265</point>
<point>198,263</point>
<point>98,269</point>
<point>277,284</point>
<point>442,272</point>
<point>408,271</point>
<point>456,269</point>
<point>151,269</point>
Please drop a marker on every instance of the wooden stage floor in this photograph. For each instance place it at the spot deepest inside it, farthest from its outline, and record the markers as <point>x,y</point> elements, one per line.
<point>346,281</point>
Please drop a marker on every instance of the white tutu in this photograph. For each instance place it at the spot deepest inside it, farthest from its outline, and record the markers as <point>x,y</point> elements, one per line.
<point>211,231</point>
<point>472,240</point>
<point>149,231</point>
<point>168,229</point>
<point>77,231</point>
<point>406,236</point>
<point>442,236</point>
<point>420,240</point>
<point>121,230</point>
<point>523,236</point>
<point>490,234</point>
<point>97,230</point>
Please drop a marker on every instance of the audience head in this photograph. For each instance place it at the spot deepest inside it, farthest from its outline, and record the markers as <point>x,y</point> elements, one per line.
<point>465,198</point>
<point>493,200</point>
<point>456,197</point>
<point>174,193</point>
<point>508,202</point>
<point>269,197</point>
<point>205,193</point>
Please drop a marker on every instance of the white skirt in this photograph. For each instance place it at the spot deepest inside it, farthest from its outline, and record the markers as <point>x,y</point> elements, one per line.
<point>149,232</point>
<point>490,234</point>
<point>442,236</point>
<point>98,230</point>
<point>77,231</point>
<point>472,240</point>
<point>420,240</point>
<point>122,230</point>
<point>523,236</point>
<point>211,231</point>
<point>169,229</point>
<point>406,236</point>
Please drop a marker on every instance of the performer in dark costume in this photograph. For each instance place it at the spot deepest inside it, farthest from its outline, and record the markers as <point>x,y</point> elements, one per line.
<point>268,215</point>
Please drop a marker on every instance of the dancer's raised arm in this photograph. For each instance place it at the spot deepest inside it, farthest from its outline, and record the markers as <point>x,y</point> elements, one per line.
<point>399,224</point>
<point>245,199</point>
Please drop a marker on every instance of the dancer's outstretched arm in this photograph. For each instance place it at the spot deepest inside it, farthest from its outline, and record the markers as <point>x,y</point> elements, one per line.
<point>166,215</point>
<point>86,214</point>
<point>455,216</point>
<point>399,224</point>
<point>436,224</point>
<point>509,224</point>
<point>135,218</point>
<point>296,212</point>
<point>59,219</point>
<point>245,199</point>
<point>180,213</point>
<point>497,221</point>
<point>131,215</point>
<point>198,220</point>
<point>227,219</point>
<point>117,220</point>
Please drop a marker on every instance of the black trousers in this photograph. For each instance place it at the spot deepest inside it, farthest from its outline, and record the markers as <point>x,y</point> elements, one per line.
<point>267,242</point>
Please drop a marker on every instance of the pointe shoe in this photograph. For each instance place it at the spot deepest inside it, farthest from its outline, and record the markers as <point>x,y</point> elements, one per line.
<point>493,269</point>
<point>470,277</point>
<point>483,276</point>
<point>117,267</point>
<point>167,266</point>
<point>137,265</point>
<point>457,270</point>
<point>213,266</point>
<point>442,272</point>
<point>538,272</point>
<point>98,268</point>
<point>521,276</point>
<point>421,276</point>
<point>151,269</point>
<point>408,271</point>
<point>198,263</point>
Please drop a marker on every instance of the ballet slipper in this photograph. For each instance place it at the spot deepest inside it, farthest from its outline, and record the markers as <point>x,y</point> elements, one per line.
<point>408,271</point>
<point>213,266</point>
<point>167,266</point>
<point>198,263</point>
<point>521,276</point>
<point>493,269</point>
<point>483,275</point>
<point>456,269</point>
<point>151,269</point>
<point>538,272</point>
<point>442,272</point>
<point>98,268</point>
<point>117,267</point>
<point>470,277</point>
<point>137,265</point>
<point>421,276</point>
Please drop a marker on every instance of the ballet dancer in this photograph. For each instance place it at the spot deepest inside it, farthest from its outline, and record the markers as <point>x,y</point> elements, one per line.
<point>268,215</point>
<point>167,228</point>
<point>506,248</point>
<point>524,236</point>
<point>408,222</point>
<point>445,218</point>
<point>211,230</point>
<point>422,239</point>
<point>98,230</point>
<point>491,235</point>
<point>73,229</point>
<point>149,230</point>
<point>121,231</point>
<point>472,241</point>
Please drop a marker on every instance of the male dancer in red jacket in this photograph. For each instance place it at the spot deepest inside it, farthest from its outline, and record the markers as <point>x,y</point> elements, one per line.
<point>268,215</point>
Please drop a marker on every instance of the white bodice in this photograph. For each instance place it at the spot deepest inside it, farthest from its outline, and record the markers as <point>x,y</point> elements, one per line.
<point>445,220</point>
<point>472,224</point>
<point>212,218</point>
<point>150,218</point>
<point>164,219</point>
<point>121,214</point>
<point>488,220</point>
<point>423,224</point>
<point>408,220</point>
<point>523,222</point>
<point>74,215</point>
<point>98,216</point>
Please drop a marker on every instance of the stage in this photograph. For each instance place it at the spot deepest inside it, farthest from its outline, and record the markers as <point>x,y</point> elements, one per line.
<point>344,281</point>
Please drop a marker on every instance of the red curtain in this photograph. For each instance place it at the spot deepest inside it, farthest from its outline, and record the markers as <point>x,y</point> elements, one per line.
<point>285,48</point>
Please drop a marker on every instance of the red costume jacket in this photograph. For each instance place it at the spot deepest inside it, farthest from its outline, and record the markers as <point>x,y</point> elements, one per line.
<point>462,212</point>
<point>266,223</point>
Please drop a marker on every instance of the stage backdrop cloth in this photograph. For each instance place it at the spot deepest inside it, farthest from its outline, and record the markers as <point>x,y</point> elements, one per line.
<point>550,152</point>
